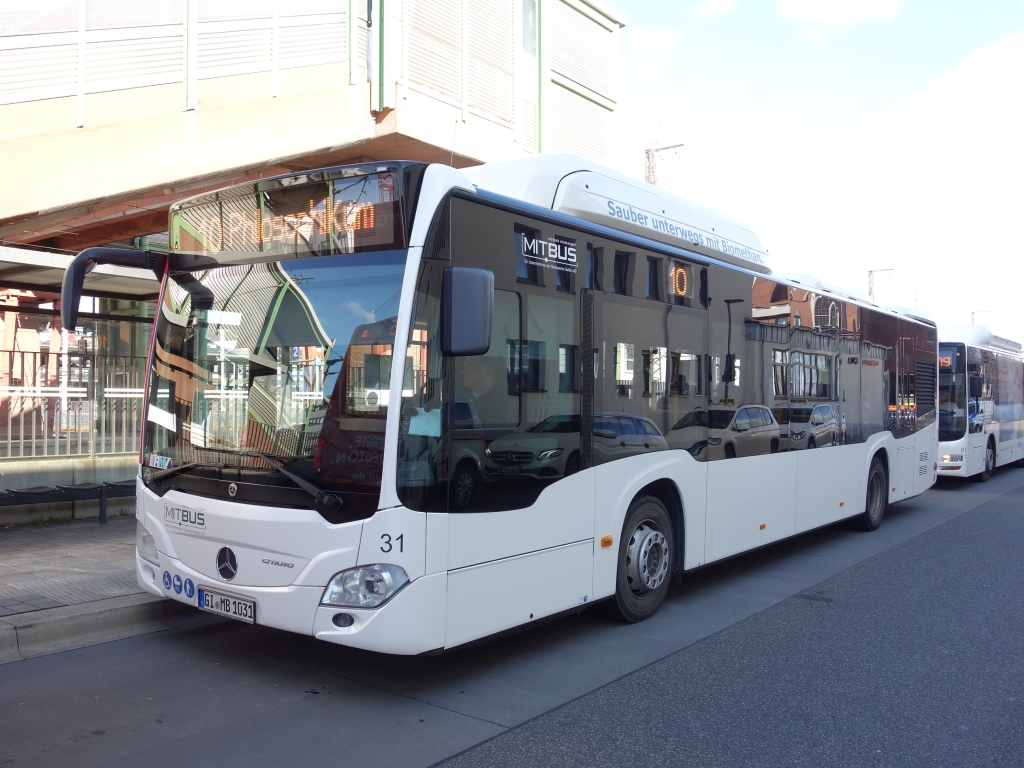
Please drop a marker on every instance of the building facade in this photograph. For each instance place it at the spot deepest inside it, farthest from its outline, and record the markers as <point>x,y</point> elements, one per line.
<point>110,110</point>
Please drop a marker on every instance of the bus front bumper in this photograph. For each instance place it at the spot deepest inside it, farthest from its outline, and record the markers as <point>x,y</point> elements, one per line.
<point>410,623</point>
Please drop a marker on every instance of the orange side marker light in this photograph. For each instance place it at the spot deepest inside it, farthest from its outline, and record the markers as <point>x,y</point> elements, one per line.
<point>762,526</point>
<point>606,541</point>
<point>842,503</point>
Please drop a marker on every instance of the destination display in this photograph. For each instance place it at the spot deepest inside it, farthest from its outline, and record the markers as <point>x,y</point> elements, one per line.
<point>317,217</point>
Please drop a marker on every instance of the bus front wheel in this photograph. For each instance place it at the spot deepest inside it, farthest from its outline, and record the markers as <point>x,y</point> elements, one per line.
<point>877,497</point>
<point>645,561</point>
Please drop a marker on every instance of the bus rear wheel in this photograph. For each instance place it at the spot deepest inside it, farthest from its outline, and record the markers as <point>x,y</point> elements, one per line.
<point>877,498</point>
<point>645,565</point>
<point>990,463</point>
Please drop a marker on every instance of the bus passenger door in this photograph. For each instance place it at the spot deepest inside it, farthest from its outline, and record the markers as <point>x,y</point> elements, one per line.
<point>520,511</point>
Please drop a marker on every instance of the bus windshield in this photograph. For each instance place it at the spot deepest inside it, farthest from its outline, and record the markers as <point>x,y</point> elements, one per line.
<point>952,392</point>
<point>289,359</point>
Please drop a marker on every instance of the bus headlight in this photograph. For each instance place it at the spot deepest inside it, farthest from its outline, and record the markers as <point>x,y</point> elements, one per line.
<point>146,544</point>
<point>366,586</point>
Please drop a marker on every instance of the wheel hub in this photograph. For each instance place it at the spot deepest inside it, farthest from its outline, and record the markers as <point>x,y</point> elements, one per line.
<point>647,559</point>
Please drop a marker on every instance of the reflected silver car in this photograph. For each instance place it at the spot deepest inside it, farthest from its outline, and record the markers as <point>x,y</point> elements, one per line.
<point>813,426</point>
<point>746,430</point>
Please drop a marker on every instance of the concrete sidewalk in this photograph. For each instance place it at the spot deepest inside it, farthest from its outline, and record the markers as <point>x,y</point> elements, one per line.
<point>72,584</point>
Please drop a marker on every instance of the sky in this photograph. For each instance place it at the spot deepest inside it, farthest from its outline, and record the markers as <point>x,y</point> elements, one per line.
<point>850,135</point>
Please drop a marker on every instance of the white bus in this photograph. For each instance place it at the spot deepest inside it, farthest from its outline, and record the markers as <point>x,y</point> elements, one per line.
<point>604,387</point>
<point>981,402</point>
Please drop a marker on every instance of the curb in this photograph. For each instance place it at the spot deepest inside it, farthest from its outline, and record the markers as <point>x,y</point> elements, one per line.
<point>38,633</point>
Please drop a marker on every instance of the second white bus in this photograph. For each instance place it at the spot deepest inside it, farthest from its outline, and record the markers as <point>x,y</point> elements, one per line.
<point>981,402</point>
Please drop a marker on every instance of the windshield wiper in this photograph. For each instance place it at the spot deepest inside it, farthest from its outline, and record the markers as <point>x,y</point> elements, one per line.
<point>324,501</point>
<point>158,476</point>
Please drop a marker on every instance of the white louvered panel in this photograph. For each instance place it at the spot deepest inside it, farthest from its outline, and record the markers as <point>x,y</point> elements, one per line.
<point>491,57</point>
<point>28,74</point>
<point>313,7</point>
<point>235,52</point>
<point>20,18</point>
<point>578,125</point>
<point>492,32</point>
<point>581,49</point>
<point>528,117</point>
<point>360,44</point>
<point>490,89</point>
<point>435,45</point>
<point>114,64</point>
<point>117,14</point>
<point>221,10</point>
<point>308,45</point>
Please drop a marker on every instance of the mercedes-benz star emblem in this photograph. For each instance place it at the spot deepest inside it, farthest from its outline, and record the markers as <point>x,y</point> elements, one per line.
<point>510,458</point>
<point>227,563</point>
<point>232,490</point>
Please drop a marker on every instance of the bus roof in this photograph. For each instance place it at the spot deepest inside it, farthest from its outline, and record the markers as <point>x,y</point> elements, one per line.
<point>979,336</point>
<point>577,187</point>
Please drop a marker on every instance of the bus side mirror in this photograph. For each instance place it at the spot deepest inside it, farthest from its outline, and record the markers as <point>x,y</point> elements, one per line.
<point>467,309</point>
<point>84,262</point>
<point>977,386</point>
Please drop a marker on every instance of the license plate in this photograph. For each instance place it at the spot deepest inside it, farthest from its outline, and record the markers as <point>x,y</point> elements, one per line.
<point>509,470</point>
<point>226,605</point>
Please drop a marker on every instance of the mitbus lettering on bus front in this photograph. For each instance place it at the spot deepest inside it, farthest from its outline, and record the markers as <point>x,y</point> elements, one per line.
<point>185,519</point>
<point>554,253</point>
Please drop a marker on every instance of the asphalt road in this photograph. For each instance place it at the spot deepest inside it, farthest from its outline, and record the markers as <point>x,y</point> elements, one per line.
<point>900,647</point>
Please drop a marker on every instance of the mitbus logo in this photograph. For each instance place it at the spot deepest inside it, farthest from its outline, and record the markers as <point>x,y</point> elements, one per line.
<point>553,250</point>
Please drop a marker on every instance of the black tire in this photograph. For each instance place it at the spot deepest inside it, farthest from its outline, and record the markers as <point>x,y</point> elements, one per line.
<point>990,462</point>
<point>810,443</point>
<point>775,446</point>
<point>730,451</point>
<point>877,499</point>
<point>646,558</point>
<point>572,464</point>
<point>464,483</point>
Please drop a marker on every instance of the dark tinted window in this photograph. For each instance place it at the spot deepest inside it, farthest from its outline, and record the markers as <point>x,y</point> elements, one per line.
<point>622,273</point>
<point>800,415</point>
<point>648,428</point>
<point>718,419</point>
<point>528,269</point>
<point>606,427</point>
<point>692,419</point>
<point>654,279</point>
<point>626,426</point>
<point>562,424</point>
<point>594,266</point>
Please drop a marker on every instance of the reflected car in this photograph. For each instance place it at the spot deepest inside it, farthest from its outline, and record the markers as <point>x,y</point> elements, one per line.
<point>548,449</point>
<point>618,434</point>
<point>690,433</point>
<point>813,426</point>
<point>746,430</point>
<point>782,416</point>
<point>468,447</point>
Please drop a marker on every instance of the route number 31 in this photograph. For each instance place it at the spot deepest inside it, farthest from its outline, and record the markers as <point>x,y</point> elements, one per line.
<point>387,543</point>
